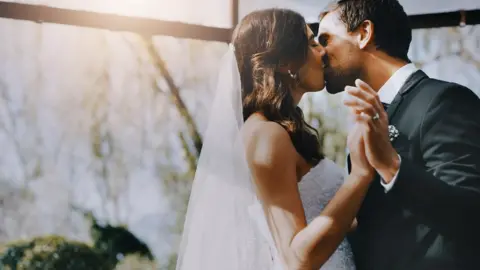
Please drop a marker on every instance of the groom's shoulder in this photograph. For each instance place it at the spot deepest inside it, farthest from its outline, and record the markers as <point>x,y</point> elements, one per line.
<point>433,88</point>
<point>437,85</point>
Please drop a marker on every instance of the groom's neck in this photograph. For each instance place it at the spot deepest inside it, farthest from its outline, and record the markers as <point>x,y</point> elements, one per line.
<point>379,68</point>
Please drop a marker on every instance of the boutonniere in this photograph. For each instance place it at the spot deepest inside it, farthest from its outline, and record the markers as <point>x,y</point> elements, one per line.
<point>392,132</point>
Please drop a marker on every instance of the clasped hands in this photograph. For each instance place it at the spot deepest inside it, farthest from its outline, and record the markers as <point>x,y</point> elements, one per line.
<point>368,141</point>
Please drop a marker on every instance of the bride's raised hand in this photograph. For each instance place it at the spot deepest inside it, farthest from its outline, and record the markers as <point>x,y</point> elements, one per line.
<point>359,163</point>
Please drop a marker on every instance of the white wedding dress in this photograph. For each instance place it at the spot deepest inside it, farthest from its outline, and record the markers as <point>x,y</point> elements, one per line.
<point>225,226</point>
<point>316,189</point>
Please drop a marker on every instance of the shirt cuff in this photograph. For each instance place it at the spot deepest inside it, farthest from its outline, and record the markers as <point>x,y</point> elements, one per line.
<point>389,186</point>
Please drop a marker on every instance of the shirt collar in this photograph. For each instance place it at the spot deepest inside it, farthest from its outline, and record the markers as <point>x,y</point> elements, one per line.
<point>391,87</point>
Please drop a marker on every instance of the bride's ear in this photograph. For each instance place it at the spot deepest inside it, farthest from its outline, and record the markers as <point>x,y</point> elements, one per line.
<point>284,68</point>
<point>365,34</point>
<point>287,70</point>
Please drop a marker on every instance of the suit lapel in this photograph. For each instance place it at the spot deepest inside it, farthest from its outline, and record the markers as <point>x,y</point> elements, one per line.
<point>411,82</point>
<point>401,143</point>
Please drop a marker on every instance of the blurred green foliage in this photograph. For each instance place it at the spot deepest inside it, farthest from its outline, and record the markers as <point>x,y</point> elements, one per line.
<point>52,252</point>
<point>110,246</point>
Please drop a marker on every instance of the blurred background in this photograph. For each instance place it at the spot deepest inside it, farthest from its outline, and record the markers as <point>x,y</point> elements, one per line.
<point>100,127</point>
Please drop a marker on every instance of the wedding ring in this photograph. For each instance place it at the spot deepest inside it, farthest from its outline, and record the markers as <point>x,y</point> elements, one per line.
<point>376,117</point>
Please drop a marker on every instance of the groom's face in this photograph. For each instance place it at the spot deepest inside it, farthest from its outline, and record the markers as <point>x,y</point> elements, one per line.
<point>342,58</point>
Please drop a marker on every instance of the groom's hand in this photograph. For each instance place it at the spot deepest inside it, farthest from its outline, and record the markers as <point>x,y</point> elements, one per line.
<point>370,114</point>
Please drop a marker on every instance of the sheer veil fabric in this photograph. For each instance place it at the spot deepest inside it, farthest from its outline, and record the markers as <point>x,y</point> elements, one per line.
<point>219,231</point>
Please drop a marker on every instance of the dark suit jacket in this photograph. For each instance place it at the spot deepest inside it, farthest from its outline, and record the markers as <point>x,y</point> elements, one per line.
<point>430,219</point>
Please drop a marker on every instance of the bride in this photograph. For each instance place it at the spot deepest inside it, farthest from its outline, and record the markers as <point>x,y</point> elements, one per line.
<point>264,196</point>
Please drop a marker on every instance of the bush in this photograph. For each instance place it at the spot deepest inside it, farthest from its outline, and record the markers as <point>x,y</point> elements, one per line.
<point>52,252</point>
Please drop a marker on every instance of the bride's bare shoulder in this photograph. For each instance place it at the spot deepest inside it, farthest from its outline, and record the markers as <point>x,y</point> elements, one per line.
<point>267,143</point>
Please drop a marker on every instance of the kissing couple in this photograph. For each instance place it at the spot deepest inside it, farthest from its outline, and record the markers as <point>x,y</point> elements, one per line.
<point>265,197</point>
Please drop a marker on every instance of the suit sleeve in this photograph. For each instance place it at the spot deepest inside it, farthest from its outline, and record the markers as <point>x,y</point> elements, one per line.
<point>445,193</point>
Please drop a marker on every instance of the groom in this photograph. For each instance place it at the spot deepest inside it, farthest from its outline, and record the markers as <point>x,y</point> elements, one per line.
<point>423,210</point>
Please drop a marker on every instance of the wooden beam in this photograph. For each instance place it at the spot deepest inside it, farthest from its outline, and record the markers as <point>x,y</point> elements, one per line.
<point>445,19</point>
<point>235,12</point>
<point>436,20</point>
<point>142,26</point>
<point>153,27</point>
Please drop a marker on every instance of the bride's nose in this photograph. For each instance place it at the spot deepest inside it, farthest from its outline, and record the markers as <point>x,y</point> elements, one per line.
<point>321,50</point>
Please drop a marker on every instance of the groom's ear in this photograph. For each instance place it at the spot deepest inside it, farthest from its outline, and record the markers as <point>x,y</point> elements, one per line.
<point>365,34</point>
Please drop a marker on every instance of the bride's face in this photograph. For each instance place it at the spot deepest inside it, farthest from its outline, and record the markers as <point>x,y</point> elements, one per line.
<point>311,73</point>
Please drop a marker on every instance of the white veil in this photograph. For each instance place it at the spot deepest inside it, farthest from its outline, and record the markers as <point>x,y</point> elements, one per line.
<point>219,231</point>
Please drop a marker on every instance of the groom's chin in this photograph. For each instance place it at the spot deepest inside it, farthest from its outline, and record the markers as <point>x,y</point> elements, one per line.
<point>332,89</point>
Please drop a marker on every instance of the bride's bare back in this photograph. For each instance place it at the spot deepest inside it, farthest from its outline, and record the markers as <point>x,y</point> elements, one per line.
<point>273,162</point>
<point>276,169</point>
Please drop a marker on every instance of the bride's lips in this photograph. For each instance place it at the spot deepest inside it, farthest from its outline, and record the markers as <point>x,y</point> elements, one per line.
<point>325,62</point>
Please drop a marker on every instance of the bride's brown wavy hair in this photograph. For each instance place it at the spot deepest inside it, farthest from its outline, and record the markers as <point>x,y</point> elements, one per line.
<point>264,42</point>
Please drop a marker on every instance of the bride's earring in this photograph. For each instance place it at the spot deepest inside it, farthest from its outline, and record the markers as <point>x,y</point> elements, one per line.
<point>294,76</point>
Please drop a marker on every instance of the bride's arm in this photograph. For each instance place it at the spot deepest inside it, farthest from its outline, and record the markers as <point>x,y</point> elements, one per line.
<point>272,159</point>
<point>354,225</point>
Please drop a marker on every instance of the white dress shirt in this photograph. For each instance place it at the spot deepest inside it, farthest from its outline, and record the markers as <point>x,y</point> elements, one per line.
<point>388,92</point>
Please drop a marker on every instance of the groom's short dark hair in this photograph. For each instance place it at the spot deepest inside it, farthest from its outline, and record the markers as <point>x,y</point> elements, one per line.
<point>392,31</point>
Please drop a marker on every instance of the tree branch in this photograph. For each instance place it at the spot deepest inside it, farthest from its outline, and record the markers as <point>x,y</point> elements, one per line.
<point>174,94</point>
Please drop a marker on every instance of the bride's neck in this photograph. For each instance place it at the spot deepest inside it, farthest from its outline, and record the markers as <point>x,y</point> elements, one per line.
<point>297,95</point>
